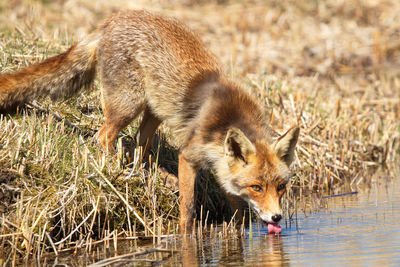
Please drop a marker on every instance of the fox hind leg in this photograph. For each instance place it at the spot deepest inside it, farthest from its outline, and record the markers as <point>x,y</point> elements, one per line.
<point>116,120</point>
<point>147,128</point>
<point>122,94</point>
<point>122,100</point>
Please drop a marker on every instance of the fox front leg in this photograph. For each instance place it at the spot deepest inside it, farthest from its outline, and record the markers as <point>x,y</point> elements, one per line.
<point>187,177</point>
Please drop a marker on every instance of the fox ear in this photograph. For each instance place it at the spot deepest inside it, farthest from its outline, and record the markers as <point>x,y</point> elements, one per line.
<point>237,146</point>
<point>284,146</point>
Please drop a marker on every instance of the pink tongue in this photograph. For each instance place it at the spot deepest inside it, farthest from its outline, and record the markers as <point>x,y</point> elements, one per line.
<point>274,228</point>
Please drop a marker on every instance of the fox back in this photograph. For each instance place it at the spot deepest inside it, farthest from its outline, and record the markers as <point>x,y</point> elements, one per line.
<point>158,56</point>
<point>156,66</point>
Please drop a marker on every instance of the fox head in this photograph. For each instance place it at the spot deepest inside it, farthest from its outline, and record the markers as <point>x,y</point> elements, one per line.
<point>258,172</point>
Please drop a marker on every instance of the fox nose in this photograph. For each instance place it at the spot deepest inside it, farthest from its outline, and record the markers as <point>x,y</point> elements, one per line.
<point>276,218</point>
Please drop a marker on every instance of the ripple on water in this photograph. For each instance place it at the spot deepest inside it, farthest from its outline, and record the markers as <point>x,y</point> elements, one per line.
<point>362,229</point>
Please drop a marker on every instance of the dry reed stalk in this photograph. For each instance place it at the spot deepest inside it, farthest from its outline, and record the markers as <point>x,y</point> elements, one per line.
<point>331,68</point>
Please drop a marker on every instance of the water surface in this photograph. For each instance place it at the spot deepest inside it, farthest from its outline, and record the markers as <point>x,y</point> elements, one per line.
<point>352,230</point>
<point>358,229</point>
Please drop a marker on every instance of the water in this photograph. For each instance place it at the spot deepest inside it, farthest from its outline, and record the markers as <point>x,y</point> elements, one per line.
<point>360,229</point>
<point>354,230</point>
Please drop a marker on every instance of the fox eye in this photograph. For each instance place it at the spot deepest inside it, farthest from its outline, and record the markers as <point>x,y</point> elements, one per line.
<point>281,187</point>
<point>256,188</point>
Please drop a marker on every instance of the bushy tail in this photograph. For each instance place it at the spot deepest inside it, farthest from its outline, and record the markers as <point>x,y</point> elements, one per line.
<point>58,76</point>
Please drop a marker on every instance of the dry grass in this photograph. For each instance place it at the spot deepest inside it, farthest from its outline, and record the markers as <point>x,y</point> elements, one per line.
<point>330,66</point>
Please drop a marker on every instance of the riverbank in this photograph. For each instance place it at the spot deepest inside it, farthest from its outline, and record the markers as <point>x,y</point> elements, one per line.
<point>332,68</point>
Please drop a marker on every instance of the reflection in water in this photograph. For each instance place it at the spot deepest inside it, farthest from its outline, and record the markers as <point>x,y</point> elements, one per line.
<point>263,250</point>
<point>359,229</point>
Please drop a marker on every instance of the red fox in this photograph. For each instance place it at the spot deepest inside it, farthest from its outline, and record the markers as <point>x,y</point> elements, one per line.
<point>156,65</point>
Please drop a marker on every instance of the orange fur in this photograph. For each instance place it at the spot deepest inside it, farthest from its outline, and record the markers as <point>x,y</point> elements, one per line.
<point>157,65</point>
